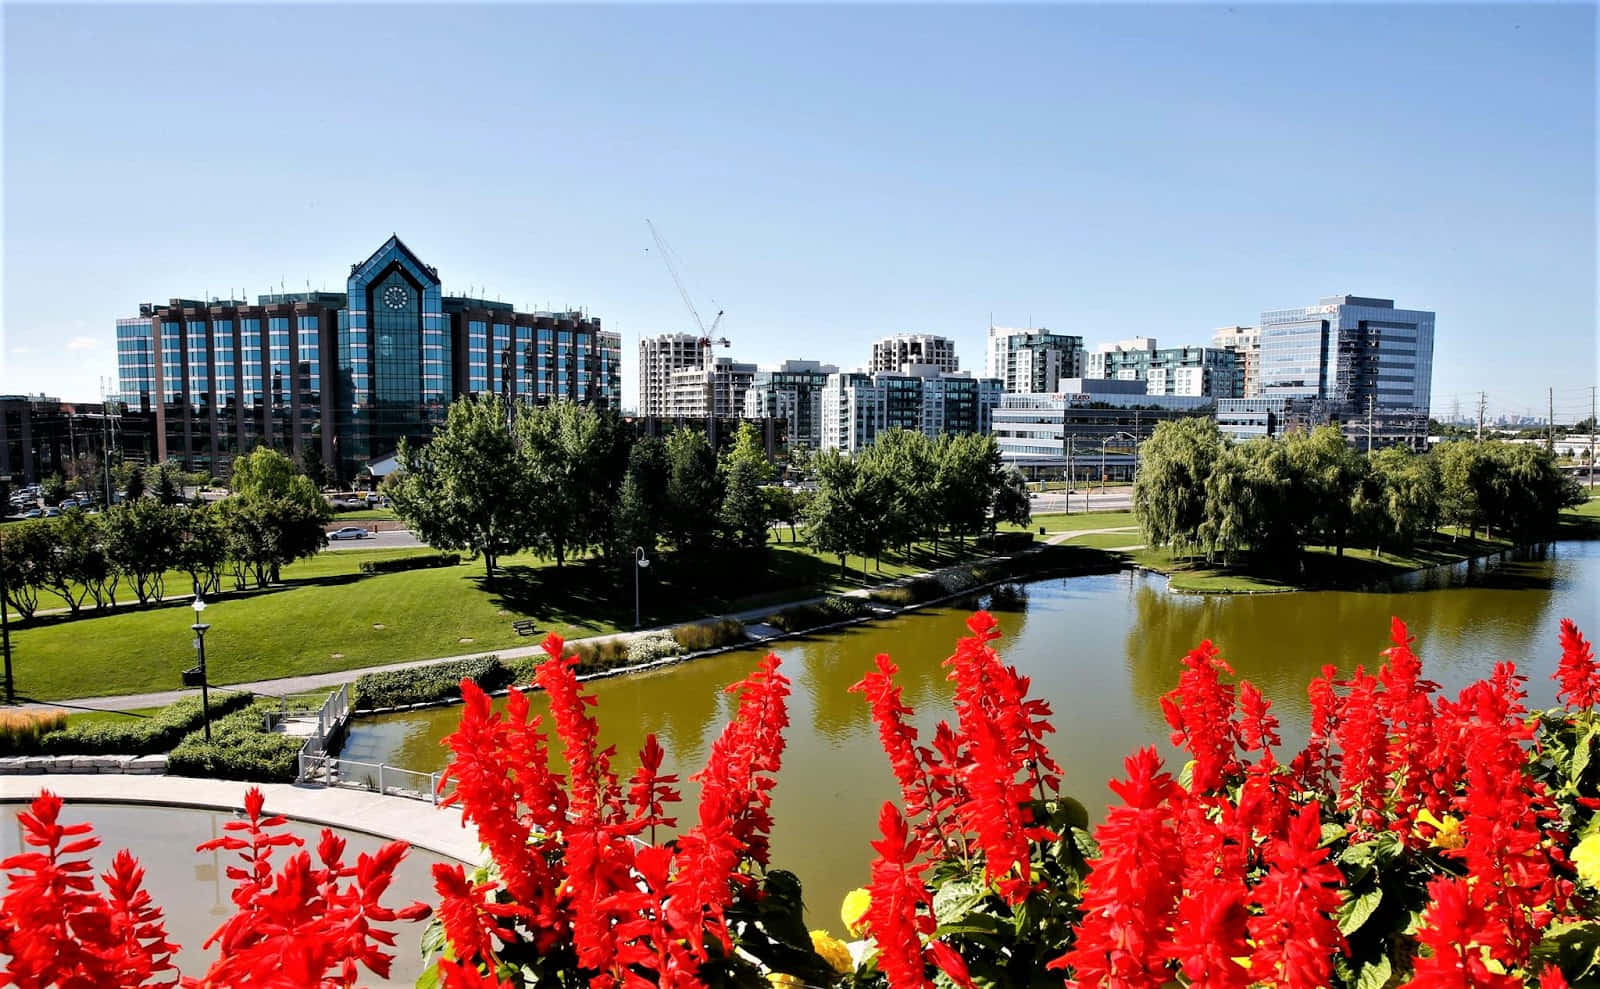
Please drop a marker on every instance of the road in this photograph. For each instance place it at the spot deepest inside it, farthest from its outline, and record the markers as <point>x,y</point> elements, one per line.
<point>393,539</point>
<point>1055,502</point>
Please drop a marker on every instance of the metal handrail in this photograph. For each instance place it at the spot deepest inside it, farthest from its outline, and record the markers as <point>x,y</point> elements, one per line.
<point>377,776</point>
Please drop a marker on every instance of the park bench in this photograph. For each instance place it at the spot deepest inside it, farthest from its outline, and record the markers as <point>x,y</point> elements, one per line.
<point>525,627</point>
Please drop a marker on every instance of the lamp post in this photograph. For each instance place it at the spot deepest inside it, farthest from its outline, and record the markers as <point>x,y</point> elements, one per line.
<point>5,609</point>
<point>198,674</point>
<point>639,563</point>
<point>1120,434</point>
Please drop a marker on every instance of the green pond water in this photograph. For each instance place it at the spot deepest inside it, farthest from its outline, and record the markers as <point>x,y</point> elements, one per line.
<point>1101,649</point>
<point>192,888</point>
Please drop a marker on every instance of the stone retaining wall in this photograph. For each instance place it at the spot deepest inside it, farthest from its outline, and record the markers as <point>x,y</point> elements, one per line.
<point>139,765</point>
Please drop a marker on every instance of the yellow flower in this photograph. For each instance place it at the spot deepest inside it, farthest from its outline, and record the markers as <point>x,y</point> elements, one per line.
<point>854,910</point>
<point>833,951</point>
<point>1448,830</point>
<point>782,979</point>
<point>1587,858</point>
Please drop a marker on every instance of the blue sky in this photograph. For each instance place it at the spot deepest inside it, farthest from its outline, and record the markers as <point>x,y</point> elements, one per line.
<point>826,174</point>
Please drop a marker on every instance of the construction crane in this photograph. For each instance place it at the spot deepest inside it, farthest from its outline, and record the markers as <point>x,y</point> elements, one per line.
<point>706,336</point>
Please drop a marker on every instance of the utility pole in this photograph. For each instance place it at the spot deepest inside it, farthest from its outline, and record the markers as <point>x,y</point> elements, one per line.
<point>1550,423</point>
<point>1483,401</point>
<point>1068,489</point>
<point>1594,427</point>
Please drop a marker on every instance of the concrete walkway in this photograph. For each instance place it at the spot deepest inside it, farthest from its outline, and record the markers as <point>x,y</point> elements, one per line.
<point>1057,538</point>
<point>437,829</point>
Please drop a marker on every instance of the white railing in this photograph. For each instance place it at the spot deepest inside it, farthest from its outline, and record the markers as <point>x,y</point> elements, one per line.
<point>331,717</point>
<point>375,776</point>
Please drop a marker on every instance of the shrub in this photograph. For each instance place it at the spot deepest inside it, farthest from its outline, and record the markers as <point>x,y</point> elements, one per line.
<point>913,591</point>
<point>652,646</point>
<point>709,635</point>
<point>829,610</point>
<point>141,736</point>
<point>240,749</point>
<point>1007,542</point>
<point>427,561</point>
<point>596,657</point>
<point>425,684</point>
<point>20,731</point>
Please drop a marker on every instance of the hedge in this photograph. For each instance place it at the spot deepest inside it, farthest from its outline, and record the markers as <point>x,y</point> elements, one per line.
<point>426,684</point>
<point>140,736</point>
<point>20,731</point>
<point>829,610</point>
<point>240,749</point>
<point>427,561</point>
<point>709,635</point>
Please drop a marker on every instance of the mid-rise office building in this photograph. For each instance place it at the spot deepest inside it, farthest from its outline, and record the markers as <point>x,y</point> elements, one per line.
<point>346,375</point>
<point>792,392</point>
<point>659,357</point>
<point>1349,349</point>
<point>1089,429</point>
<point>1033,360</point>
<point>1253,418</point>
<point>895,353</point>
<point>41,436</point>
<point>858,405</point>
<point>1245,344</point>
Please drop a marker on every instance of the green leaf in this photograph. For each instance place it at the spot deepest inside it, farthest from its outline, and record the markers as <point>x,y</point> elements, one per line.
<point>975,923</point>
<point>1580,755</point>
<point>1374,974</point>
<point>429,979</point>
<point>955,899</point>
<point>1355,910</point>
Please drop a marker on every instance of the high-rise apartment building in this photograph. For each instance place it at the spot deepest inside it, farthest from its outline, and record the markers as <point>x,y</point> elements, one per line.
<point>1197,372</point>
<point>1245,342</point>
<point>699,392</point>
<point>659,357</point>
<point>346,375</point>
<point>858,405</point>
<point>793,392</point>
<point>1349,349</point>
<point>1034,359</point>
<point>895,353</point>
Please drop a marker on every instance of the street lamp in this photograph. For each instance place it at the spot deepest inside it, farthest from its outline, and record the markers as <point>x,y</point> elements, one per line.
<point>197,675</point>
<point>5,610</point>
<point>639,563</point>
<point>1118,434</point>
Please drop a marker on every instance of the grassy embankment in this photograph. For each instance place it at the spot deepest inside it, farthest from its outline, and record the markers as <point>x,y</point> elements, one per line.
<point>327,616</point>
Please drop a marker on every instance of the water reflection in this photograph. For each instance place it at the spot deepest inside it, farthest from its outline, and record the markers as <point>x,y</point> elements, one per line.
<point>193,887</point>
<point>1101,649</point>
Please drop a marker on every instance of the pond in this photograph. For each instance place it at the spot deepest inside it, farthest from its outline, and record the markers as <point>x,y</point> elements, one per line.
<point>1101,649</point>
<point>192,888</point>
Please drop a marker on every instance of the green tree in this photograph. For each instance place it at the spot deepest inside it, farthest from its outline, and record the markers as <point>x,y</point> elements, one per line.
<point>642,502</point>
<point>468,488</point>
<point>1169,495</point>
<point>166,488</point>
<point>901,467</point>
<point>26,549</point>
<point>966,477</point>
<point>1249,504</point>
<point>78,565</point>
<point>1530,491</point>
<point>744,509</point>
<point>310,462</point>
<point>142,541</point>
<point>266,474</point>
<point>1466,477</point>
<point>1327,472</point>
<point>694,494</point>
<point>1011,501</point>
<point>133,490</point>
<point>1410,495</point>
<point>575,458</point>
<point>835,522</point>
<point>53,489</point>
<point>203,549</point>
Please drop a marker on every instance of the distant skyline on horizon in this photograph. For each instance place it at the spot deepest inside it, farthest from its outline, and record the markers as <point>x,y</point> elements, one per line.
<point>827,175</point>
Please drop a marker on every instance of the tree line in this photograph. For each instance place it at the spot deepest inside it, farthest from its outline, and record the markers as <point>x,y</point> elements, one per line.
<point>274,517</point>
<point>1201,494</point>
<point>566,480</point>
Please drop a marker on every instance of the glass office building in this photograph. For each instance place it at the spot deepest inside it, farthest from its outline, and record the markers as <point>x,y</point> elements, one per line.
<point>1349,349</point>
<point>342,376</point>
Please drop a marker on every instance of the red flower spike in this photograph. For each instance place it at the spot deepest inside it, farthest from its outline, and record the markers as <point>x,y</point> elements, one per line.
<point>1295,935</point>
<point>1580,687</point>
<point>899,913</point>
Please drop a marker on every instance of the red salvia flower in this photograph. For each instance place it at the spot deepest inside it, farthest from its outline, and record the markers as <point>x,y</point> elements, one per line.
<point>909,761</point>
<point>1580,687</point>
<point>1200,712</point>
<point>899,913</point>
<point>1295,935</point>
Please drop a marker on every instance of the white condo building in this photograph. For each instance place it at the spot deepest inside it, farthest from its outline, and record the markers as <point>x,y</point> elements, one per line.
<point>659,357</point>
<point>895,353</point>
<point>1033,359</point>
<point>858,405</point>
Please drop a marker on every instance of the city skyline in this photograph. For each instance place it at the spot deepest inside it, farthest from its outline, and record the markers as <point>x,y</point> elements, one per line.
<point>822,201</point>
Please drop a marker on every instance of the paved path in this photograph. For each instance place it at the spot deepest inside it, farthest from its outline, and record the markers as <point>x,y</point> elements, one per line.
<point>391,539</point>
<point>1057,538</point>
<point>437,829</point>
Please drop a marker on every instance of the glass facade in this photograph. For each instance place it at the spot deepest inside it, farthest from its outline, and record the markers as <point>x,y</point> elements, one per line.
<point>351,372</point>
<point>1349,349</point>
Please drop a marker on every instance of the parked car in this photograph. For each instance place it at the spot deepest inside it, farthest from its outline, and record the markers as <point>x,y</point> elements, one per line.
<point>51,513</point>
<point>33,513</point>
<point>70,503</point>
<point>349,532</point>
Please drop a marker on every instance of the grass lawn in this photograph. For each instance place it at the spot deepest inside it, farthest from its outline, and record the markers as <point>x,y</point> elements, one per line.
<point>328,617</point>
<point>1059,522</point>
<point>88,717</point>
<point>367,515</point>
<point>1107,540</point>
